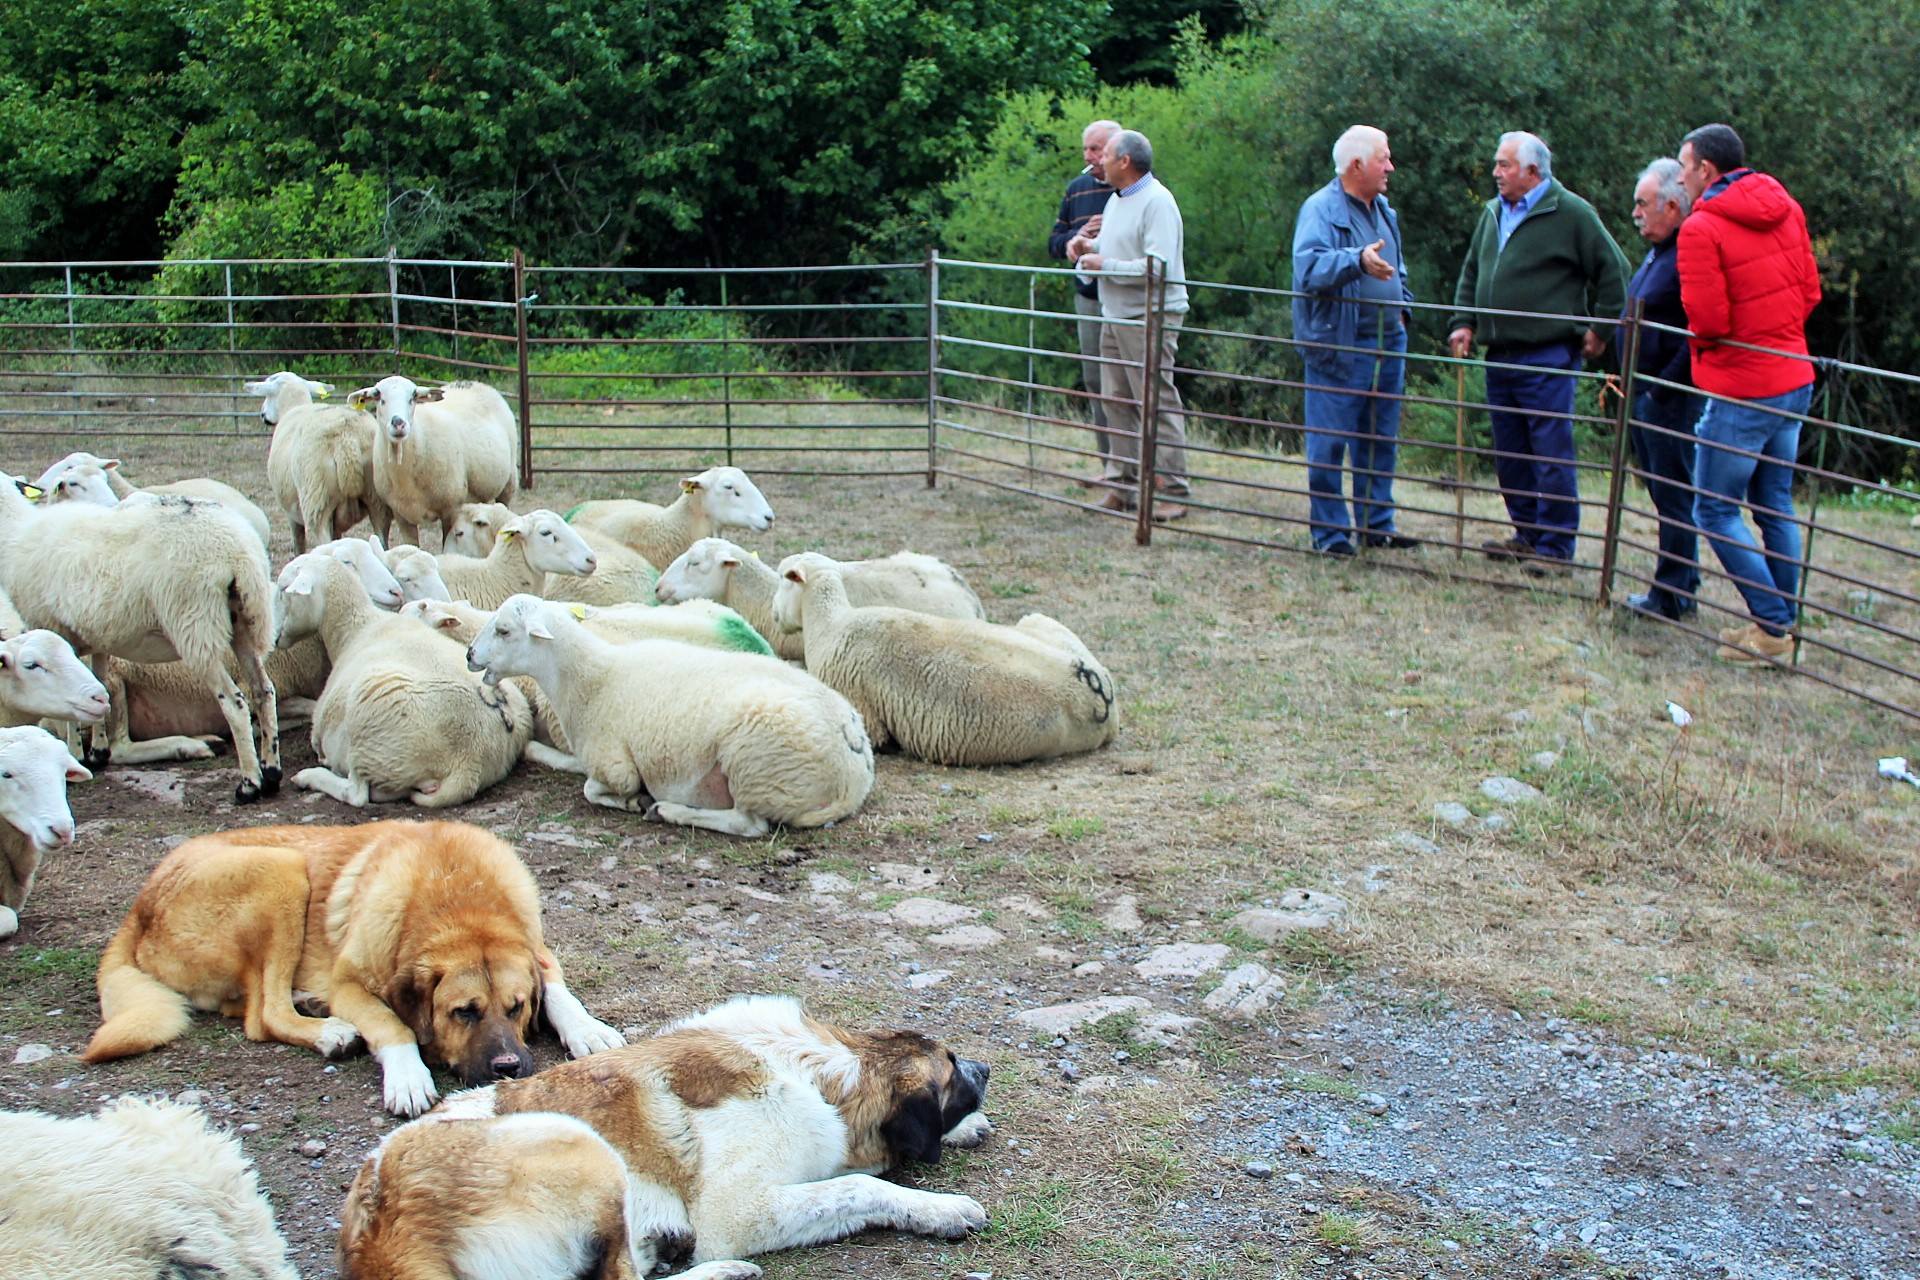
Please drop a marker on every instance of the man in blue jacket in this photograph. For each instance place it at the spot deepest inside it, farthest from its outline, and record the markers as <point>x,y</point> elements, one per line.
<point>1347,261</point>
<point>1661,425</point>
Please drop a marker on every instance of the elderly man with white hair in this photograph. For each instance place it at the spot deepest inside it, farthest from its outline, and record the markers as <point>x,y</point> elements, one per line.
<point>1141,222</point>
<point>1080,215</point>
<point>1661,425</point>
<point>1538,247</point>
<point>1350,277</point>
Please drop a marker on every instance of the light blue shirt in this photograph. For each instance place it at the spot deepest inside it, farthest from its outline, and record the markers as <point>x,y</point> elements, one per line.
<point>1145,178</point>
<point>1512,215</point>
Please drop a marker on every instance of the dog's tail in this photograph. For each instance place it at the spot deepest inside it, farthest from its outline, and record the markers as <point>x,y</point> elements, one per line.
<point>137,1011</point>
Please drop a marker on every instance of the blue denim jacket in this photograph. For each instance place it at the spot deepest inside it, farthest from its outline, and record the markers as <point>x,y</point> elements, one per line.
<point>1326,263</point>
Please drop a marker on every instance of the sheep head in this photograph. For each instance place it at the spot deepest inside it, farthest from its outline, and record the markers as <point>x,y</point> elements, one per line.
<point>506,645</point>
<point>35,768</point>
<point>729,499</point>
<point>285,390</point>
<point>392,400</point>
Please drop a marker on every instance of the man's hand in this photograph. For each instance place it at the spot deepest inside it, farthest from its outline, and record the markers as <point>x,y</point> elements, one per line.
<point>1373,264</point>
<point>1592,344</point>
<point>1078,245</point>
<point>1088,262</point>
<point>1611,389</point>
<point>1091,227</point>
<point>1460,342</point>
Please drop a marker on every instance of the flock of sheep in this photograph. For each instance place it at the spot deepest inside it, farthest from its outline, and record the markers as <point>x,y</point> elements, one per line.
<point>624,641</point>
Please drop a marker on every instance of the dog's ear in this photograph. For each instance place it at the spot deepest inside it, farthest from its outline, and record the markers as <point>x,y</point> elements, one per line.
<point>912,1132</point>
<point>410,996</point>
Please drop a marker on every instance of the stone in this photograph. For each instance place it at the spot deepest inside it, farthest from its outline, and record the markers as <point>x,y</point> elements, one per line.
<point>1495,823</point>
<point>1314,901</point>
<point>313,1148</point>
<point>163,785</point>
<point>1453,813</point>
<point>1543,760</point>
<point>1246,992</point>
<point>1059,1019</point>
<point>1413,842</point>
<point>31,1053</point>
<point>1025,905</point>
<point>1161,1028</point>
<point>906,875</point>
<point>1518,719</point>
<point>1089,969</point>
<point>1182,960</point>
<point>1504,790</point>
<point>1055,954</point>
<point>1124,915</point>
<point>968,937</point>
<point>827,882</point>
<point>1267,925</point>
<point>931,978</point>
<point>1373,1103</point>
<point>931,913</point>
<point>193,1097</point>
<point>565,839</point>
<point>1257,1169</point>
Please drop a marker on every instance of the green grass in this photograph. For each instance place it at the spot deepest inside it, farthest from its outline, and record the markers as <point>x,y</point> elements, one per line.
<point>1073,827</point>
<point>1030,1218</point>
<point>1341,1230</point>
<point>45,962</point>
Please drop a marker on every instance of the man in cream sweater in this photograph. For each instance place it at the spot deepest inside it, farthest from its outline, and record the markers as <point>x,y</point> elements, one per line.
<point>1140,221</point>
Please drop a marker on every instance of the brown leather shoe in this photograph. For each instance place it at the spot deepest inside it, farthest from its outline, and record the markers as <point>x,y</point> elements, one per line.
<point>1514,548</point>
<point>1754,647</point>
<point>1117,501</point>
<point>1165,511</point>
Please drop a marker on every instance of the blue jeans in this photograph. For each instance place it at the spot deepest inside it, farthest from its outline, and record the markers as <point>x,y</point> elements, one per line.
<point>1543,497</point>
<point>1764,484</point>
<point>1373,424</point>
<point>1668,462</point>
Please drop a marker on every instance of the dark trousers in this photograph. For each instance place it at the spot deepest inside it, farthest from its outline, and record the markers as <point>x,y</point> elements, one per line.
<point>1668,462</point>
<point>1529,408</point>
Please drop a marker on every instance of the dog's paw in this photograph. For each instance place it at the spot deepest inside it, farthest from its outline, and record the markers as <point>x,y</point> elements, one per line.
<point>337,1037</point>
<point>969,1131</point>
<point>9,922</point>
<point>406,1084</point>
<point>591,1036</point>
<point>949,1217</point>
<point>732,1269</point>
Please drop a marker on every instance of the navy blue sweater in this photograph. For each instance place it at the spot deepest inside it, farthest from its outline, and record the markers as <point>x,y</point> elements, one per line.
<point>1086,196</point>
<point>1662,355</point>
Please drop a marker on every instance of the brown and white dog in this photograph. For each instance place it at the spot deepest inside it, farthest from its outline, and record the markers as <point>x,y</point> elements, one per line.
<point>747,1128</point>
<point>414,935</point>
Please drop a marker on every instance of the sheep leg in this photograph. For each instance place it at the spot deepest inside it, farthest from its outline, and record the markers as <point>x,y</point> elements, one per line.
<point>731,822</point>
<point>158,750</point>
<point>99,736</point>
<point>405,532</point>
<point>299,535</point>
<point>554,758</point>
<point>297,710</point>
<point>347,790</point>
<point>598,792</point>
<point>266,716</point>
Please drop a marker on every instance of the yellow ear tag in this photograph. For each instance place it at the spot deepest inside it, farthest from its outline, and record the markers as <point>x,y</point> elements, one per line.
<point>506,535</point>
<point>321,395</point>
<point>754,554</point>
<point>578,610</point>
<point>32,492</point>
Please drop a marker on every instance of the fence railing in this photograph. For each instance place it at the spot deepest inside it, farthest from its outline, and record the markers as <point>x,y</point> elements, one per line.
<point>976,371</point>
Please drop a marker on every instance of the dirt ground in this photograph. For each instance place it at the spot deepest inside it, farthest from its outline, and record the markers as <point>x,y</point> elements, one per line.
<point>1659,1020</point>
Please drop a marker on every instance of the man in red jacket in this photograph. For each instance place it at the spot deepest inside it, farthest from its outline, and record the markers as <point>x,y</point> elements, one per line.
<point>1747,275</point>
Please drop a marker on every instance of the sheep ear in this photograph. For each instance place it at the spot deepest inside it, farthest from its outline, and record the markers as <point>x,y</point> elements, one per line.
<point>363,397</point>
<point>429,395</point>
<point>448,623</point>
<point>510,528</point>
<point>259,388</point>
<point>108,464</point>
<point>77,772</point>
<point>537,628</point>
<point>691,485</point>
<point>373,540</point>
<point>730,562</point>
<point>797,574</point>
<point>320,390</point>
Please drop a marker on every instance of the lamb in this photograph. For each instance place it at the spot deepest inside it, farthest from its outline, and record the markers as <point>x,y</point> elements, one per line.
<point>146,1188</point>
<point>42,678</point>
<point>715,569</point>
<point>417,571</point>
<point>320,463</point>
<point>624,575</point>
<point>718,498</point>
<point>698,622</point>
<point>158,578</point>
<point>726,741</point>
<point>950,690</point>
<point>162,712</point>
<point>35,768</point>
<point>400,718</point>
<point>104,484</point>
<point>527,549</point>
<point>437,448</point>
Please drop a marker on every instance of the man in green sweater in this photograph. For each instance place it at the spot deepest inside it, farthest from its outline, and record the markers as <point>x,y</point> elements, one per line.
<point>1538,247</point>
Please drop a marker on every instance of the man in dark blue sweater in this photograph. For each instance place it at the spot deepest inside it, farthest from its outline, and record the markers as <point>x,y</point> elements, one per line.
<point>1664,408</point>
<point>1080,215</point>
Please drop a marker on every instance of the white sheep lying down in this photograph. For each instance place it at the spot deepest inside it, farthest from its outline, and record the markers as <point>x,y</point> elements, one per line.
<point>437,448</point>
<point>158,578</point>
<point>715,569</point>
<point>42,678</point>
<point>718,498</point>
<point>529,551</point>
<point>726,741</point>
<point>101,481</point>
<point>320,464</point>
<point>35,768</point>
<point>401,718</point>
<point>623,575</point>
<point>143,1190</point>
<point>950,690</point>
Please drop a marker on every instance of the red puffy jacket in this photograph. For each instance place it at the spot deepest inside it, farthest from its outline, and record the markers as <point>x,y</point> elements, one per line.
<point>1747,273</point>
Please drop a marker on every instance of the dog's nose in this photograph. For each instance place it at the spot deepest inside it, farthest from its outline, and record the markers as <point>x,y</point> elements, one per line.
<point>975,1071</point>
<point>507,1066</point>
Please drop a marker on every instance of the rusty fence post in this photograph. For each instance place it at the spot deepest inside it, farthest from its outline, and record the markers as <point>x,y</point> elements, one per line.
<point>520,303</point>
<point>933,365</point>
<point>1814,485</point>
<point>1154,322</point>
<point>1459,461</point>
<point>1617,479</point>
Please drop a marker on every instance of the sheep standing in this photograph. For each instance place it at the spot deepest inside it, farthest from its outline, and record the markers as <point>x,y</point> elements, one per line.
<point>320,463</point>
<point>950,690</point>
<point>159,578</point>
<point>145,1189</point>
<point>715,569</point>
<point>438,448</point>
<point>102,482</point>
<point>527,551</point>
<point>401,718</point>
<point>718,498</point>
<point>35,768</point>
<point>726,741</point>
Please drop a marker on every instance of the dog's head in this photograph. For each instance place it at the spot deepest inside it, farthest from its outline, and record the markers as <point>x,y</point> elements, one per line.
<point>927,1095</point>
<point>470,1001</point>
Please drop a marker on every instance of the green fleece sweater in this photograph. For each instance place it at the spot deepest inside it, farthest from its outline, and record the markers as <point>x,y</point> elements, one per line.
<point>1560,259</point>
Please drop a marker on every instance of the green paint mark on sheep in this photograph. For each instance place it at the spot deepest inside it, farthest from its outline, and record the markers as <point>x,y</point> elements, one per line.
<point>736,634</point>
<point>574,511</point>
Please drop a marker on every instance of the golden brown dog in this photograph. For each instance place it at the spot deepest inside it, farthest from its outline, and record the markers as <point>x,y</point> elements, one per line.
<point>415,936</point>
<point>748,1128</point>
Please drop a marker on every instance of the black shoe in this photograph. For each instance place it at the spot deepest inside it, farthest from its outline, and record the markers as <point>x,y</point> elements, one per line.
<point>1672,608</point>
<point>1391,542</point>
<point>1335,549</point>
<point>1507,549</point>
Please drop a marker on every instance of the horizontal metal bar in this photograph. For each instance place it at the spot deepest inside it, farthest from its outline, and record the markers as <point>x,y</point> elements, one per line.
<point>919,267</point>
<point>915,448</point>
<point>811,308</point>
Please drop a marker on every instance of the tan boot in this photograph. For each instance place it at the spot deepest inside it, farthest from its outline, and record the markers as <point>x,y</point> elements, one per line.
<point>1754,647</point>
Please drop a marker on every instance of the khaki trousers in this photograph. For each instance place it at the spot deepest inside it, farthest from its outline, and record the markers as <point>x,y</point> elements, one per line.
<point>1089,327</point>
<point>1124,385</point>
